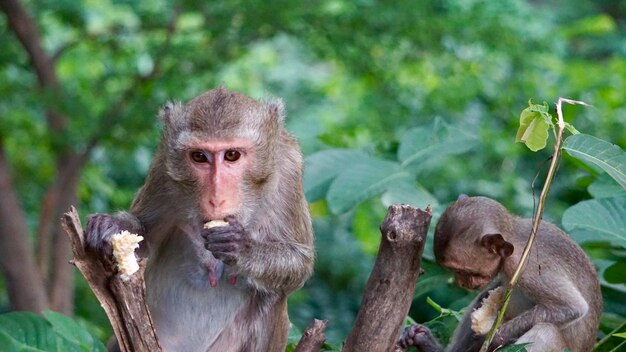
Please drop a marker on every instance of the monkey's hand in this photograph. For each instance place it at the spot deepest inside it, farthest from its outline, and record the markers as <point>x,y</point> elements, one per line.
<point>501,338</point>
<point>419,336</point>
<point>102,227</point>
<point>227,243</point>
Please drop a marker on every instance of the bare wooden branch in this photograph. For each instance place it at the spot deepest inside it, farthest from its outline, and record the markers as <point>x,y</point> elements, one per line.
<point>313,337</point>
<point>391,284</point>
<point>123,301</point>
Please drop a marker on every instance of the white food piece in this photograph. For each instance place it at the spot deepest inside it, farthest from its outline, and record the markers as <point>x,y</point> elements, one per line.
<point>124,245</point>
<point>484,317</point>
<point>215,223</point>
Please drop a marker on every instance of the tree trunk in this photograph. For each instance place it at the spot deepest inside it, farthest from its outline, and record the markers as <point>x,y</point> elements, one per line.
<point>24,283</point>
<point>389,291</point>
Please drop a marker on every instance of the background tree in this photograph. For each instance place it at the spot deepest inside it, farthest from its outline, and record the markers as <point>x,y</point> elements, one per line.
<point>427,92</point>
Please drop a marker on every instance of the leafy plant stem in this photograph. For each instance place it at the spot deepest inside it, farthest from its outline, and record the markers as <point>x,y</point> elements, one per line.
<point>610,335</point>
<point>536,221</point>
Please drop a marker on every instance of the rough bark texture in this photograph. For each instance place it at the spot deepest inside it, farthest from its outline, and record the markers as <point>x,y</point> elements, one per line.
<point>123,301</point>
<point>313,337</point>
<point>391,284</point>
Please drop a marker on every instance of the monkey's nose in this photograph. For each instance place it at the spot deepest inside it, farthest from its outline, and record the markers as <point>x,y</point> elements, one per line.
<point>216,204</point>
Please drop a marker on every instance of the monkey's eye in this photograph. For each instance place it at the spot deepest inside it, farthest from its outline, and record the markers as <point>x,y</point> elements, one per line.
<point>232,155</point>
<point>198,157</point>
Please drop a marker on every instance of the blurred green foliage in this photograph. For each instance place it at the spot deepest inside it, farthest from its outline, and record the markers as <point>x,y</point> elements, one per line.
<point>419,99</point>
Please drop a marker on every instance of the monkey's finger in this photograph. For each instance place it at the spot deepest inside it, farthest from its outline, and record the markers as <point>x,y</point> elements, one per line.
<point>227,237</point>
<point>214,231</point>
<point>221,248</point>
<point>228,258</point>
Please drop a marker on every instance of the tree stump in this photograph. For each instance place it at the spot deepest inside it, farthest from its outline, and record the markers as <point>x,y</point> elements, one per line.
<point>389,290</point>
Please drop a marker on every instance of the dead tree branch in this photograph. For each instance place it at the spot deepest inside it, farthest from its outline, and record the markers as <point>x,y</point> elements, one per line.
<point>391,284</point>
<point>313,337</point>
<point>123,301</point>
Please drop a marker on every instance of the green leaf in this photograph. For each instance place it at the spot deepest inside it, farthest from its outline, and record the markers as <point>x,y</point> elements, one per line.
<point>614,274</point>
<point>621,334</point>
<point>602,265</point>
<point>407,191</point>
<point>534,123</point>
<point>70,330</point>
<point>571,128</point>
<point>433,278</point>
<point>9,343</point>
<point>361,181</point>
<point>23,331</point>
<point>423,144</point>
<point>596,151</point>
<point>605,187</point>
<point>322,167</point>
<point>597,220</point>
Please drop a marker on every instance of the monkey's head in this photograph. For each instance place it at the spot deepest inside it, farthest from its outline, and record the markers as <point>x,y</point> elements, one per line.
<point>470,240</point>
<point>219,151</point>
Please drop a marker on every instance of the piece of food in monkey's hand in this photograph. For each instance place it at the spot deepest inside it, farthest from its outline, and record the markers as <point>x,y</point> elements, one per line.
<point>484,317</point>
<point>215,223</point>
<point>213,273</point>
<point>124,245</point>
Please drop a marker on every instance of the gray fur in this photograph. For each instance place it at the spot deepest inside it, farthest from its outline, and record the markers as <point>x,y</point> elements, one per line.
<point>251,315</point>
<point>557,302</point>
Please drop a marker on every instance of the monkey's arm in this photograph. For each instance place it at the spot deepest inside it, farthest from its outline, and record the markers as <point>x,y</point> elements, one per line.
<point>559,303</point>
<point>268,263</point>
<point>464,338</point>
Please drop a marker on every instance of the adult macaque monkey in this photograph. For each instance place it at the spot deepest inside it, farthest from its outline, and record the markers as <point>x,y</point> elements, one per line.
<point>222,156</point>
<point>556,303</point>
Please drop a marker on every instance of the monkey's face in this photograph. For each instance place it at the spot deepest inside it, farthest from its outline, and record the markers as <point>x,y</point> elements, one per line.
<point>219,168</point>
<point>471,271</point>
<point>472,280</point>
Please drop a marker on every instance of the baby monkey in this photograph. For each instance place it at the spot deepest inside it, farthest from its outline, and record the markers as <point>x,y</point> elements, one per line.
<point>556,303</point>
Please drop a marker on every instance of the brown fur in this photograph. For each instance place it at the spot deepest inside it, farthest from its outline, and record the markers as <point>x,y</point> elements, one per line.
<point>278,254</point>
<point>557,302</point>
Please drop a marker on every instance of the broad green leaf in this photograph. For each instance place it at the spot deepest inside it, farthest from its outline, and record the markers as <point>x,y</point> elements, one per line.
<point>361,181</point>
<point>614,274</point>
<point>322,167</point>
<point>605,187</point>
<point>423,144</point>
<point>9,343</point>
<point>602,265</point>
<point>407,191</point>
<point>596,151</point>
<point>621,334</point>
<point>434,277</point>
<point>534,123</point>
<point>30,332</point>
<point>514,348</point>
<point>597,220</point>
<point>73,332</point>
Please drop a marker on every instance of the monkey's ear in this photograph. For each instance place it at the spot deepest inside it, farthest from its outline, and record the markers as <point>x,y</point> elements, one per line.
<point>462,196</point>
<point>495,243</point>
<point>171,113</point>
<point>276,109</point>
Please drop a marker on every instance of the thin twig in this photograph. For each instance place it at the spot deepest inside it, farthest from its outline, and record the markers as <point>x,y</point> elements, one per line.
<point>536,218</point>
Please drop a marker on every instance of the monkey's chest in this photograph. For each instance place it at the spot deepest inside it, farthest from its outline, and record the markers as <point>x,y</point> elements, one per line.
<point>187,316</point>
